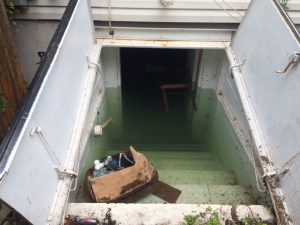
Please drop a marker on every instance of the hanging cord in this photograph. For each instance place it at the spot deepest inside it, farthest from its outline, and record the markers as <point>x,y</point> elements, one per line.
<point>232,8</point>
<point>235,18</point>
<point>123,154</point>
<point>111,31</point>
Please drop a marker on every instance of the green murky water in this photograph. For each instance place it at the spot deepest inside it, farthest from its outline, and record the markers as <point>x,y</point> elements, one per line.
<point>194,151</point>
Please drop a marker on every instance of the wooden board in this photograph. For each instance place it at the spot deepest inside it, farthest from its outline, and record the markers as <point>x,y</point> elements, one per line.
<point>167,193</point>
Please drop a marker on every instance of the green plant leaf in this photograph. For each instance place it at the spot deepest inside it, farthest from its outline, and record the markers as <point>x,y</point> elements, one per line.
<point>191,219</point>
<point>214,219</point>
<point>284,4</point>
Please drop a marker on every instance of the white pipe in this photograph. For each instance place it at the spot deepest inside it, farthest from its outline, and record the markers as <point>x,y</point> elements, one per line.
<point>98,129</point>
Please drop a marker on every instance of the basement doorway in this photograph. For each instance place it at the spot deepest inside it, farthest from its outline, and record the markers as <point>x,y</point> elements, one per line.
<point>191,142</point>
<point>157,92</point>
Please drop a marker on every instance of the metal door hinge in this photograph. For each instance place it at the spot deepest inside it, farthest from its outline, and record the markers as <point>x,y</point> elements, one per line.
<point>63,172</point>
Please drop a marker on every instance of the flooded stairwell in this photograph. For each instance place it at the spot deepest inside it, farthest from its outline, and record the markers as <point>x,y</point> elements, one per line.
<point>201,178</point>
<point>196,152</point>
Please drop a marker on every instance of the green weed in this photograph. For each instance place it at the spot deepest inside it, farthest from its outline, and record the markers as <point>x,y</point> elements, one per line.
<point>212,217</point>
<point>191,219</point>
<point>284,4</point>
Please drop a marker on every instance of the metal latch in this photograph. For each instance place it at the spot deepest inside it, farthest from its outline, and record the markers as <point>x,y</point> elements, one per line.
<point>63,172</point>
<point>93,63</point>
<point>238,64</point>
<point>294,60</point>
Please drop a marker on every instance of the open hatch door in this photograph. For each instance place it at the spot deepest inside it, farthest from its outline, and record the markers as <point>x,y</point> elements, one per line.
<point>265,62</point>
<point>40,151</point>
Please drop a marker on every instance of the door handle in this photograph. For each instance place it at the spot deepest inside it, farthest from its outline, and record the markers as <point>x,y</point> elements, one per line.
<point>294,60</point>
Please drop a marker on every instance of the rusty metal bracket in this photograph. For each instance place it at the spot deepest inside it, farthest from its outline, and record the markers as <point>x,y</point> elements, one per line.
<point>276,173</point>
<point>294,60</point>
<point>269,174</point>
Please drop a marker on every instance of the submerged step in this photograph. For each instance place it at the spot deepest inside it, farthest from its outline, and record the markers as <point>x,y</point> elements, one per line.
<point>169,150</point>
<point>186,164</point>
<point>210,194</point>
<point>171,214</point>
<point>197,177</point>
<point>181,153</point>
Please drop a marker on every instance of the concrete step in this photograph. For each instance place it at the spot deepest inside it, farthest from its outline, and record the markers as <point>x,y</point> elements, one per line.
<point>201,178</point>
<point>171,214</point>
<point>182,153</point>
<point>174,177</point>
<point>183,160</point>
<point>161,147</point>
<point>210,194</point>
<point>186,164</point>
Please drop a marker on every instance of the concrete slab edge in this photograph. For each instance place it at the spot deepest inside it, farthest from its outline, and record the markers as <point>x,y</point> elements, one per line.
<point>165,214</point>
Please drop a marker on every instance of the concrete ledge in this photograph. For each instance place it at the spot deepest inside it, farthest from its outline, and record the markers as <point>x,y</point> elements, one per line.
<point>163,214</point>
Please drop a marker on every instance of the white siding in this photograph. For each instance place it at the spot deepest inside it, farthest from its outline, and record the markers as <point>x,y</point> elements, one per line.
<point>190,11</point>
<point>110,61</point>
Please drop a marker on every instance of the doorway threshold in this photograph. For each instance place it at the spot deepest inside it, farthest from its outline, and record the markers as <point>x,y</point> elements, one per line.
<point>107,42</point>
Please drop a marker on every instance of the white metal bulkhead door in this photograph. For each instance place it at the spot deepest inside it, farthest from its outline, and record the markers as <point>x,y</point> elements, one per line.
<point>266,51</point>
<point>41,150</point>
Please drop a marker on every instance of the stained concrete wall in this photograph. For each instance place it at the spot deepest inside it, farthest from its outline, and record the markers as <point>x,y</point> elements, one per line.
<point>32,37</point>
<point>110,61</point>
